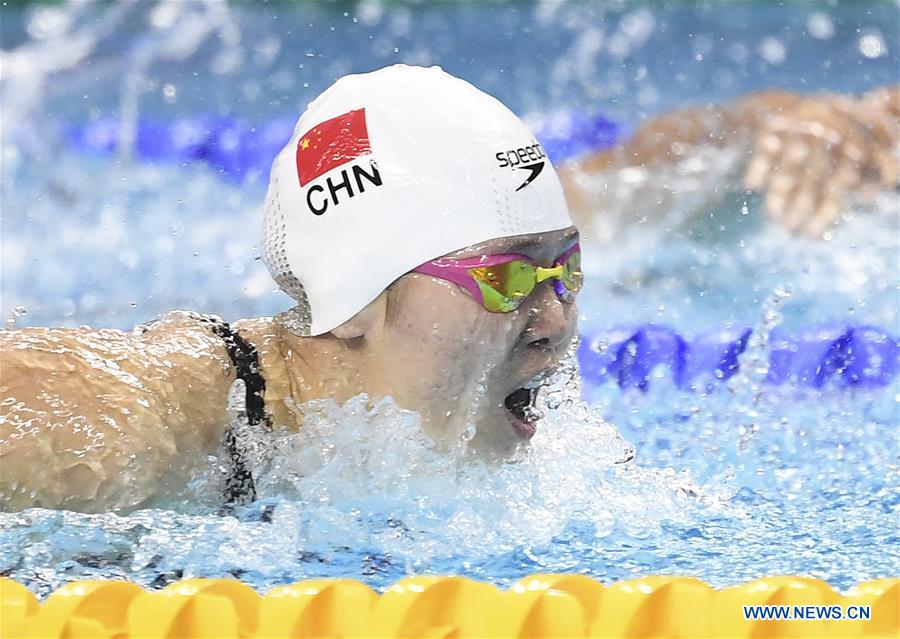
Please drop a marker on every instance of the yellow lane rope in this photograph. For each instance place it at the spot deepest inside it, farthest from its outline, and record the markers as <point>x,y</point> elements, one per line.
<point>536,606</point>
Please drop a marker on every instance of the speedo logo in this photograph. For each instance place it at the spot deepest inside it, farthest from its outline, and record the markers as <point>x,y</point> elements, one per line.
<point>527,158</point>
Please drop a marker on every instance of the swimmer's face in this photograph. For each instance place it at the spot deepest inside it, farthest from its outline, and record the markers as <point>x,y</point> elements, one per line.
<point>440,353</point>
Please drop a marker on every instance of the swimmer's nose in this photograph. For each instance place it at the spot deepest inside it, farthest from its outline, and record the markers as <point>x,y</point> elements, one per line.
<point>551,322</point>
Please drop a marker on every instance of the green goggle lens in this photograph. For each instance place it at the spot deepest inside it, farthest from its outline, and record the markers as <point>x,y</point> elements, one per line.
<point>504,286</point>
<point>572,277</point>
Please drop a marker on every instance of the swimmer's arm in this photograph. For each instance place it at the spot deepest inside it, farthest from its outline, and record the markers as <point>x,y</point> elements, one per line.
<point>810,158</point>
<point>851,146</point>
<point>95,420</point>
<point>591,182</point>
<point>670,137</point>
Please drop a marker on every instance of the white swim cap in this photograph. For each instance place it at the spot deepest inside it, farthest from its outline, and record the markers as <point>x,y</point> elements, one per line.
<point>388,170</point>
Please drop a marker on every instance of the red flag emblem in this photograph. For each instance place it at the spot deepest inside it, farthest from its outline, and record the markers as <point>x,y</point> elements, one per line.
<point>330,144</point>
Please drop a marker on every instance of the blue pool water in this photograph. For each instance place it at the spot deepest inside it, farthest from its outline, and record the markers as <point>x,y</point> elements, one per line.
<point>737,480</point>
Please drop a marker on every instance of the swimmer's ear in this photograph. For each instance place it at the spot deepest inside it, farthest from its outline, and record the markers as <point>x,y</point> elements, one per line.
<point>361,324</point>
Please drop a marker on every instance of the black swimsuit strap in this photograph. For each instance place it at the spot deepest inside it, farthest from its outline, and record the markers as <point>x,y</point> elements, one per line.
<point>240,489</point>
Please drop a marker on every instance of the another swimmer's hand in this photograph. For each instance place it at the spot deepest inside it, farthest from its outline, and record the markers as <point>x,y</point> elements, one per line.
<point>813,154</point>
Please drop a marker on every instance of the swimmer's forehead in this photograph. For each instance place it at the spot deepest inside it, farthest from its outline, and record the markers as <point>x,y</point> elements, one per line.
<point>538,246</point>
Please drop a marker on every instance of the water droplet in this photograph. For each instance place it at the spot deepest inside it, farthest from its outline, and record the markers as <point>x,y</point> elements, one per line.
<point>15,314</point>
<point>820,26</point>
<point>872,45</point>
<point>773,50</point>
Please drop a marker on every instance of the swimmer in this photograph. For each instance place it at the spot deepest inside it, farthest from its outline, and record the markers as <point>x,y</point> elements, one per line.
<point>808,156</point>
<point>425,237</point>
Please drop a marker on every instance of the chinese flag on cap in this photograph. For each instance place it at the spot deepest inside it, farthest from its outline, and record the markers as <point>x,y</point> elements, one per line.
<point>330,144</point>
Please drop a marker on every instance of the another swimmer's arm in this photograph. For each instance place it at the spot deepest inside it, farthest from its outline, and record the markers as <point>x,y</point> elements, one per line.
<point>665,140</point>
<point>95,420</point>
<point>670,136</point>
<point>809,158</point>
<point>805,153</point>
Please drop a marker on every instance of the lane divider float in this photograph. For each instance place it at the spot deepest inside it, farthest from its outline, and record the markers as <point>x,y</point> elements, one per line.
<point>542,605</point>
<point>240,149</point>
<point>858,356</point>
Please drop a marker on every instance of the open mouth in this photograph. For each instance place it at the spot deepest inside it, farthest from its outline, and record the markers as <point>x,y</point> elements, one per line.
<point>522,413</point>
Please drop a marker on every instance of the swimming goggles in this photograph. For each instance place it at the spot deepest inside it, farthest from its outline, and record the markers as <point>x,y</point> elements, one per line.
<point>502,282</point>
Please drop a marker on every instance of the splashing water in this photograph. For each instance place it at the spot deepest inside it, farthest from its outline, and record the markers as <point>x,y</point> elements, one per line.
<point>361,484</point>
<point>727,484</point>
<point>754,366</point>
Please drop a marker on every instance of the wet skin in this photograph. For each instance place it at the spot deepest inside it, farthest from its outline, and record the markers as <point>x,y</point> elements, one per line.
<point>98,420</point>
<point>432,347</point>
<point>444,356</point>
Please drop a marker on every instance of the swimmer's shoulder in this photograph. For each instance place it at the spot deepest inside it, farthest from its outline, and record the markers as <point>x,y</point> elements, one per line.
<point>38,354</point>
<point>282,392</point>
<point>175,331</point>
<point>185,337</point>
<point>138,404</point>
<point>175,360</point>
<point>180,355</point>
<point>193,341</point>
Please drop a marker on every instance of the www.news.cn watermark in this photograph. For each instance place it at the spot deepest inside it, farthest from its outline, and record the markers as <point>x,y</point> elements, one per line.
<point>807,613</point>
